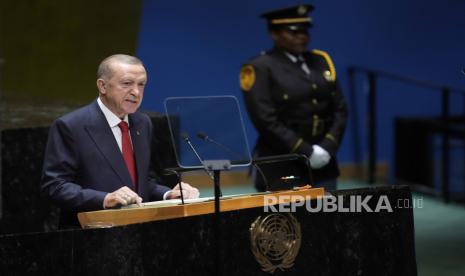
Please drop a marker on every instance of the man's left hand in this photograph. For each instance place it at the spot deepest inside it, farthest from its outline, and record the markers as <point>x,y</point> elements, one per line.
<point>187,190</point>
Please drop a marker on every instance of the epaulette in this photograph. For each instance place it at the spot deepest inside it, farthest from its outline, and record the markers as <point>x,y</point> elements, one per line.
<point>330,63</point>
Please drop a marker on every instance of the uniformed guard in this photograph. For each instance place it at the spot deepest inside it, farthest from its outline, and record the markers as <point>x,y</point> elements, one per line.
<point>294,100</point>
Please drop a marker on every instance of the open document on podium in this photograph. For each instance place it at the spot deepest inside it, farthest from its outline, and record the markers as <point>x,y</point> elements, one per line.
<point>169,209</point>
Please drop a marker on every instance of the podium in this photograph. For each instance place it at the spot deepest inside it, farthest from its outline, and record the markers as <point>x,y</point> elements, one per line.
<point>331,243</point>
<point>162,210</point>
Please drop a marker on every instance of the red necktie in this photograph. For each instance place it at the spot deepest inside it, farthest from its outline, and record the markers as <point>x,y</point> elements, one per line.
<point>128,154</point>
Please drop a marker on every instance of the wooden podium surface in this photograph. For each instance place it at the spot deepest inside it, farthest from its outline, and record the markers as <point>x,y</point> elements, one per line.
<point>162,210</point>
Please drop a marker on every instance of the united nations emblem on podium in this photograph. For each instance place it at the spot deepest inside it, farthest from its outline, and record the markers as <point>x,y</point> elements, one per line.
<point>275,241</point>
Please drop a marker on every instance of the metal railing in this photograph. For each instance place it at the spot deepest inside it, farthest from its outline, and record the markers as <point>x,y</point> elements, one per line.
<point>445,118</point>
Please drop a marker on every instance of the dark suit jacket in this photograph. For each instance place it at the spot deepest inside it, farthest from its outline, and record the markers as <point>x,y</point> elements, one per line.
<point>83,162</point>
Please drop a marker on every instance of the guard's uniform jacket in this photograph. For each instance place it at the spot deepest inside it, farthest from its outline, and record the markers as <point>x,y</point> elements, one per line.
<point>293,110</point>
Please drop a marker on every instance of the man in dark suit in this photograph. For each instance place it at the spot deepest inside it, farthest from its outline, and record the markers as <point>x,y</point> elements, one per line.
<point>98,156</point>
<point>294,100</point>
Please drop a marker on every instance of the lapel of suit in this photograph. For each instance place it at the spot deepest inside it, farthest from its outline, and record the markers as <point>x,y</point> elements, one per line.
<point>289,66</point>
<point>135,127</point>
<point>103,138</point>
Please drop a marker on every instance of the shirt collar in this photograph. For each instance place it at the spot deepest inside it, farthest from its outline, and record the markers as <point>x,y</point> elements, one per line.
<point>112,119</point>
<point>292,57</point>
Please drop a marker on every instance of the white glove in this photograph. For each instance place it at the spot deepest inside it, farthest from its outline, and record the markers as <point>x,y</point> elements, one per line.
<point>319,158</point>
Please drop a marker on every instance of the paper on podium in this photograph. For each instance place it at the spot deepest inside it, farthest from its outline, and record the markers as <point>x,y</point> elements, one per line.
<point>177,201</point>
<point>170,209</point>
<point>168,202</point>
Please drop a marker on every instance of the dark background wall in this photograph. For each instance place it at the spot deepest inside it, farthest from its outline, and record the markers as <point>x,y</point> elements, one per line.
<point>51,50</point>
<point>197,48</point>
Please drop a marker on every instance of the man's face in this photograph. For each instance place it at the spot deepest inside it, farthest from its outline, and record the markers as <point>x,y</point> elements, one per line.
<point>294,42</point>
<point>122,93</point>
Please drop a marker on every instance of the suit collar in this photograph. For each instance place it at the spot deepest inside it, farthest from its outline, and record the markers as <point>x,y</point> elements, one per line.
<point>100,132</point>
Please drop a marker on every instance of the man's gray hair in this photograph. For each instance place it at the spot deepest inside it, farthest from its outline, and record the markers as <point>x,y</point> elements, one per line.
<point>104,69</point>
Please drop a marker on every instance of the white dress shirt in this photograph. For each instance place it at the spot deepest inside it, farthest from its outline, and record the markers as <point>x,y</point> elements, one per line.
<point>113,121</point>
<point>299,58</point>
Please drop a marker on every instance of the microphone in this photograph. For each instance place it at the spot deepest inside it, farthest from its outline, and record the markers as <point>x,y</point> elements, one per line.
<point>257,160</point>
<point>185,137</point>
<point>205,137</point>
<point>278,158</point>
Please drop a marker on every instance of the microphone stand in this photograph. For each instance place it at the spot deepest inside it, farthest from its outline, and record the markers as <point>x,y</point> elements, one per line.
<point>215,166</point>
<point>186,138</point>
<point>178,179</point>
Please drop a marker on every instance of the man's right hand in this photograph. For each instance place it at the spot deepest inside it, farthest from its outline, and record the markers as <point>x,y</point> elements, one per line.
<point>121,197</point>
